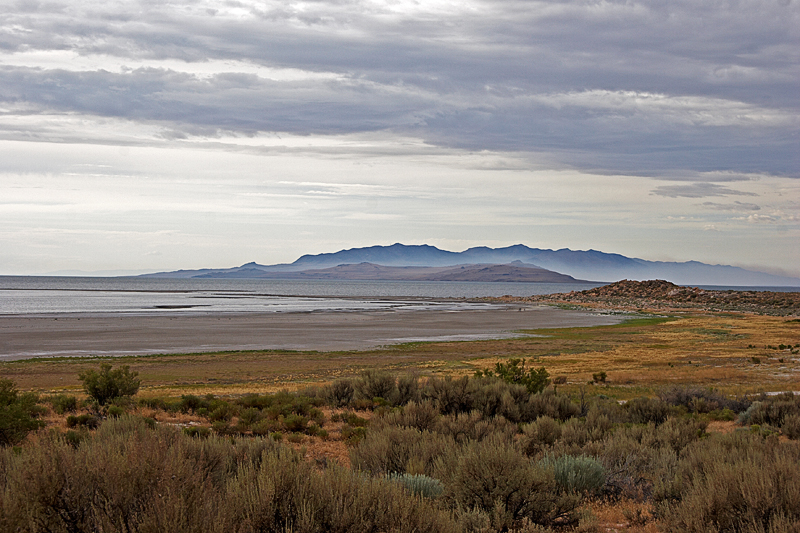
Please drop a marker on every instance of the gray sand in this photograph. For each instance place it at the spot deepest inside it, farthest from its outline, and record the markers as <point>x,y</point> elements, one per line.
<point>23,337</point>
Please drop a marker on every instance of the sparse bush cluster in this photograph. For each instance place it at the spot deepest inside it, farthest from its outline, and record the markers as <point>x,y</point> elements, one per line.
<point>487,453</point>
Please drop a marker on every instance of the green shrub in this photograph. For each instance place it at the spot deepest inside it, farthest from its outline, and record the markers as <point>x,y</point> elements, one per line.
<point>84,420</point>
<point>115,411</point>
<point>376,384</point>
<point>18,413</point>
<point>422,416</point>
<point>197,431</point>
<point>513,371</point>
<point>64,403</point>
<point>701,400</point>
<point>420,484</point>
<point>580,474</point>
<point>340,393</point>
<point>108,384</point>
<point>294,423</point>
<point>353,435</point>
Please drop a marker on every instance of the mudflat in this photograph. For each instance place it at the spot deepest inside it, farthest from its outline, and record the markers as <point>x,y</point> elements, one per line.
<point>23,337</point>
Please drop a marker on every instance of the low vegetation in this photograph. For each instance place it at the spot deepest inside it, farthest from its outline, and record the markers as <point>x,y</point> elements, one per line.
<point>486,453</point>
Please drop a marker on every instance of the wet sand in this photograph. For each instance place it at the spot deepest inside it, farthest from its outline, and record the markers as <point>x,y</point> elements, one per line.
<point>23,337</point>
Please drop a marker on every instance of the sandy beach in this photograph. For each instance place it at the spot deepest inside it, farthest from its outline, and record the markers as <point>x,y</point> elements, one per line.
<point>23,337</point>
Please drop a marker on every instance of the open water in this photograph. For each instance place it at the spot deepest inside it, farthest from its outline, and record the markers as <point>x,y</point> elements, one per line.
<point>29,295</point>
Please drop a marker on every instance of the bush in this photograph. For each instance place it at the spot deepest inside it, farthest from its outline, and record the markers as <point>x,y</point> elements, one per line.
<point>64,403</point>
<point>513,371</point>
<point>700,400</point>
<point>737,483</point>
<point>420,484</point>
<point>396,450</point>
<point>422,416</point>
<point>644,410</point>
<point>375,384</point>
<point>340,393</point>
<point>539,435</point>
<point>549,403</point>
<point>580,474</point>
<point>18,413</point>
<point>108,384</point>
<point>527,491</point>
<point>87,421</point>
<point>450,395</point>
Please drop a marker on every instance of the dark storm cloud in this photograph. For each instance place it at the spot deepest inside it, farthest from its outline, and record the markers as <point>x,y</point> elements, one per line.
<point>647,88</point>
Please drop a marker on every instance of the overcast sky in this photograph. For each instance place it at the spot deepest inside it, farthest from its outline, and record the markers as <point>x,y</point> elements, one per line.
<point>151,135</point>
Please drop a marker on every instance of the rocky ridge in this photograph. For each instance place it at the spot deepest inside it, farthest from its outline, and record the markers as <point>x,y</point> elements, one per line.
<point>663,295</point>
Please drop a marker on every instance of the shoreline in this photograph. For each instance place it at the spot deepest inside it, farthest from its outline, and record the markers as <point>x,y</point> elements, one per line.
<point>124,334</point>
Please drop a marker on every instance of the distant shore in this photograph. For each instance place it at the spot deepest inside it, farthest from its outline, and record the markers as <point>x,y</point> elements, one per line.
<point>68,334</point>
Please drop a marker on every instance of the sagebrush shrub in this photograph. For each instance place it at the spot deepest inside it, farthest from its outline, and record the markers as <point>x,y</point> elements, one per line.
<point>375,384</point>
<point>734,483</point>
<point>581,474</point>
<point>420,484</point>
<point>391,449</point>
<point>549,403</point>
<point>64,403</point>
<point>340,393</point>
<point>450,395</point>
<point>495,477</point>
<point>539,435</point>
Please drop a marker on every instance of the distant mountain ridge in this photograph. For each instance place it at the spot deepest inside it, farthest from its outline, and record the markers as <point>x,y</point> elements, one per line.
<point>580,264</point>
<point>512,272</point>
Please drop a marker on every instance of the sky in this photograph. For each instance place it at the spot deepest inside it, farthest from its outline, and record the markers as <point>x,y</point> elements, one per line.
<point>149,135</point>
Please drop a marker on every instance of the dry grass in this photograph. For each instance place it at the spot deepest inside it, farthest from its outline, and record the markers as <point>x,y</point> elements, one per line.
<point>705,349</point>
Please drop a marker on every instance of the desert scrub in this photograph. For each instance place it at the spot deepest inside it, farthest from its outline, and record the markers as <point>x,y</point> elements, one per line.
<point>420,484</point>
<point>580,475</point>
<point>64,403</point>
<point>737,482</point>
<point>393,449</point>
<point>539,435</point>
<point>127,476</point>
<point>494,477</point>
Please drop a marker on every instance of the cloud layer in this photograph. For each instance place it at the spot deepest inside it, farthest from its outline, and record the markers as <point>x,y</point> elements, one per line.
<point>398,120</point>
<point>618,87</point>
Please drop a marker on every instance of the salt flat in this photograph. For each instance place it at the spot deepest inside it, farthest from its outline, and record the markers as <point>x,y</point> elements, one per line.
<point>70,334</point>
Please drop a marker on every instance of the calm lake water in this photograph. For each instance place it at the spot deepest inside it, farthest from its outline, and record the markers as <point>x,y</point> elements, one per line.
<point>42,294</point>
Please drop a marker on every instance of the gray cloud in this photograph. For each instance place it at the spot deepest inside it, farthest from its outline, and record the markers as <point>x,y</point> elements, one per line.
<point>698,190</point>
<point>643,88</point>
<point>735,206</point>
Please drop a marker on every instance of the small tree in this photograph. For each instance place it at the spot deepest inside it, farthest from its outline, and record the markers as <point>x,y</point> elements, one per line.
<point>535,380</point>
<point>109,384</point>
<point>17,413</point>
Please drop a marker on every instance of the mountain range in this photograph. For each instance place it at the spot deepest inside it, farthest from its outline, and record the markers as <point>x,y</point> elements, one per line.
<point>512,263</point>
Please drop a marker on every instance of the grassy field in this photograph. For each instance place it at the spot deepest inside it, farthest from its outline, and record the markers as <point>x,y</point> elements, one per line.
<point>735,353</point>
